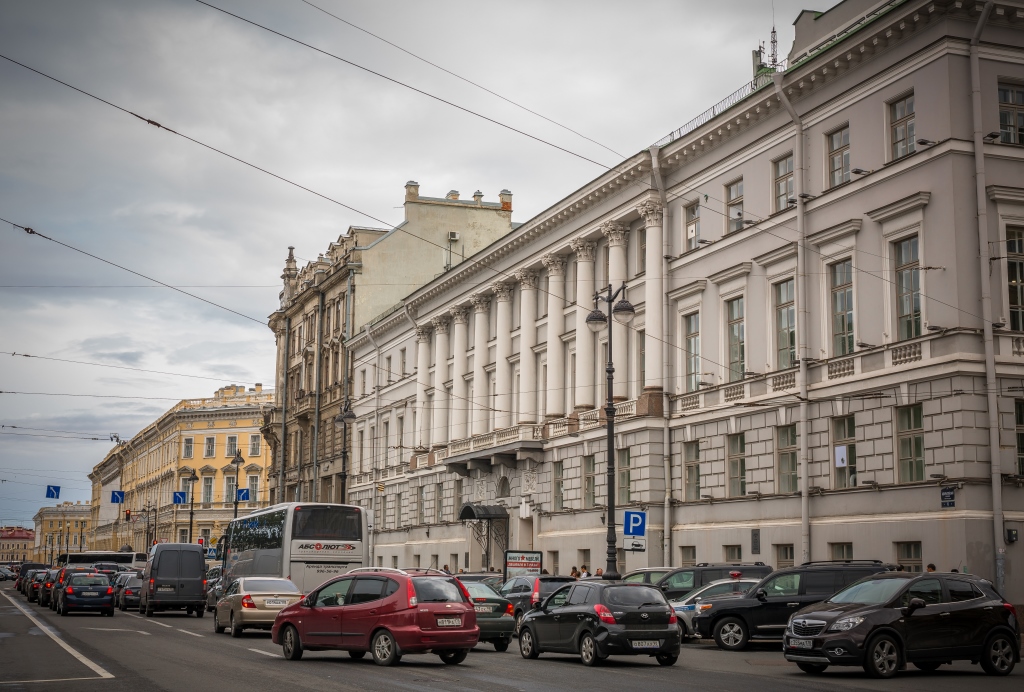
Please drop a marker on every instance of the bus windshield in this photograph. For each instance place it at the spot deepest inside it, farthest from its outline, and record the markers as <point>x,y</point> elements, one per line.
<point>327,523</point>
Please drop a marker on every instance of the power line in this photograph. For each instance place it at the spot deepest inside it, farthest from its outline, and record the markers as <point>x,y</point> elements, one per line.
<point>63,437</point>
<point>96,396</point>
<point>69,432</point>
<point>133,286</point>
<point>120,367</point>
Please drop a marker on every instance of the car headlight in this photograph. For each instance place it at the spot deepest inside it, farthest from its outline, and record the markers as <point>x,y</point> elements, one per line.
<point>706,606</point>
<point>845,624</point>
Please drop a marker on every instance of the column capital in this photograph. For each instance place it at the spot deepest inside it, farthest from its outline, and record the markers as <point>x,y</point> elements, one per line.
<point>586,250</point>
<point>615,233</point>
<point>422,334</point>
<point>481,302</point>
<point>502,291</point>
<point>440,323</point>
<point>527,278</point>
<point>555,264</point>
<point>651,211</point>
<point>460,314</point>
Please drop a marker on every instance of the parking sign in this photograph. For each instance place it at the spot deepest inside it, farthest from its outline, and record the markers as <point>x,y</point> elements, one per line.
<point>634,523</point>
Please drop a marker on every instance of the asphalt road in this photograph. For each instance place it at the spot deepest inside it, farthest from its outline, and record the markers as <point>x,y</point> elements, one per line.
<point>91,653</point>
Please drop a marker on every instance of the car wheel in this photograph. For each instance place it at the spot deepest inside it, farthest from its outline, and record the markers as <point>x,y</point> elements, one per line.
<point>385,649</point>
<point>217,627</point>
<point>291,646</point>
<point>454,658</point>
<point>883,657</point>
<point>928,667</point>
<point>527,647</point>
<point>501,644</point>
<point>731,634</point>
<point>667,659</point>
<point>200,611</point>
<point>356,654</point>
<point>109,613</point>
<point>519,624</point>
<point>236,630</point>
<point>998,656</point>
<point>812,668</point>
<point>588,650</point>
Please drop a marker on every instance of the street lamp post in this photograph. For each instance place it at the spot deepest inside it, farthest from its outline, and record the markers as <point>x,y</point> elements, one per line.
<point>623,313</point>
<point>237,463</point>
<point>191,501</point>
<point>341,422</point>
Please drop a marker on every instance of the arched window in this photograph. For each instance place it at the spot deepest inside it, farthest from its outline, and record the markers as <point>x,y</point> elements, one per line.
<point>503,487</point>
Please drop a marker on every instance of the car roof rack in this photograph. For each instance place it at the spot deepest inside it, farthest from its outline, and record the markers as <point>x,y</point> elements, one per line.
<point>840,562</point>
<point>392,570</point>
<point>726,564</point>
<point>427,570</point>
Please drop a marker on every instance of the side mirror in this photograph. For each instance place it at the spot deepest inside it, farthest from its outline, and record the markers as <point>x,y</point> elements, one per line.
<point>697,600</point>
<point>664,587</point>
<point>761,595</point>
<point>915,604</point>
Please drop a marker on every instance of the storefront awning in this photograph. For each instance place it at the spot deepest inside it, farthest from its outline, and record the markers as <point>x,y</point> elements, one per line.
<point>471,511</point>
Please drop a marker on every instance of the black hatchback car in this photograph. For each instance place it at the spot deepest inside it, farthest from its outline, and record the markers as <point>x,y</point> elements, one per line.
<point>600,619</point>
<point>764,610</point>
<point>885,621</point>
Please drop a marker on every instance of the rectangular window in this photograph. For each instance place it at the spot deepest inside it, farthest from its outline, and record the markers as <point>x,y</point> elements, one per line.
<point>438,503</point>
<point>1015,276</point>
<point>692,227</point>
<point>737,465</point>
<point>841,279</point>
<point>783,174</point>
<point>688,556</point>
<point>421,498</point>
<point>691,463</point>
<point>362,382</point>
<point>641,250</point>
<point>784,556</point>
<point>1011,114</point>
<point>736,339</point>
<point>207,489</point>
<point>908,289</point>
<point>182,535</point>
<point>844,451</point>
<point>186,448</point>
<point>385,441</point>
<point>254,488</point>
<point>254,445</point>
<point>785,325</point>
<point>841,551</point>
<point>558,485</point>
<point>734,205</point>
<point>401,362</point>
<point>691,346</point>
<point>908,556</point>
<point>839,157</point>
<point>1019,416</point>
<point>360,442</point>
<point>232,446</point>
<point>622,481</point>
<point>901,125</point>
<point>387,369</point>
<point>210,447</point>
<point>589,481</point>
<point>787,459</point>
<point>910,432</point>
<point>229,489</point>
<point>733,553</point>
<point>553,561</point>
<point>641,358</point>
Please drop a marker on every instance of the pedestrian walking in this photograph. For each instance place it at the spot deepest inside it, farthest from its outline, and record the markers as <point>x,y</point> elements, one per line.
<point>446,570</point>
<point>583,572</point>
<point>930,567</point>
<point>574,572</point>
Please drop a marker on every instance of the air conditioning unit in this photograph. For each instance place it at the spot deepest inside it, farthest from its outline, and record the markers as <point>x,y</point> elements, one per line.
<point>453,236</point>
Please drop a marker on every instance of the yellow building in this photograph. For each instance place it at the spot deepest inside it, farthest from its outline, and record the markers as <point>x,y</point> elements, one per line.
<point>204,436</point>
<point>60,528</point>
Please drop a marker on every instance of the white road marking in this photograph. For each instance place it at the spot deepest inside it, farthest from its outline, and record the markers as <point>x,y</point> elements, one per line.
<point>23,682</point>
<point>64,645</point>
<point>115,629</point>
<point>187,632</point>
<point>154,622</point>
<point>266,653</point>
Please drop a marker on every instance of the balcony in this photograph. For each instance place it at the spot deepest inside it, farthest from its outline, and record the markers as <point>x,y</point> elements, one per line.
<point>504,446</point>
<point>302,405</point>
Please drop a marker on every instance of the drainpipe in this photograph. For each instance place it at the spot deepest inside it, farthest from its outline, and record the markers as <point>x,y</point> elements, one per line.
<point>345,333</point>
<point>378,516</point>
<point>318,374</point>
<point>666,437</point>
<point>998,545</point>
<point>801,319</point>
<point>284,409</point>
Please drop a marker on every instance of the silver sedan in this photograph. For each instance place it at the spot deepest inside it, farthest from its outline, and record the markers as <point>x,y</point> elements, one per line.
<point>253,602</point>
<point>686,607</point>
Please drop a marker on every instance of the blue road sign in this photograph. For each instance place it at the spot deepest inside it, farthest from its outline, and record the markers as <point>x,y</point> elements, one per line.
<point>634,523</point>
<point>117,497</point>
<point>53,492</point>
<point>243,494</point>
<point>211,553</point>
<point>180,497</point>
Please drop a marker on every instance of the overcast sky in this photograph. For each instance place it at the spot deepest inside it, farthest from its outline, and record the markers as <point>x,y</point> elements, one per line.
<point>624,74</point>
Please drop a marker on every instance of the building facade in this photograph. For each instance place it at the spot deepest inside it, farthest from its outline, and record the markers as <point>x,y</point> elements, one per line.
<point>61,528</point>
<point>353,282</point>
<point>17,544</point>
<point>826,359</point>
<point>204,436</point>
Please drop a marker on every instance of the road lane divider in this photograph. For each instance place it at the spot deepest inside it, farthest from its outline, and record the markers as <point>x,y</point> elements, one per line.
<point>116,629</point>
<point>94,667</point>
<point>266,653</point>
<point>194,634</point>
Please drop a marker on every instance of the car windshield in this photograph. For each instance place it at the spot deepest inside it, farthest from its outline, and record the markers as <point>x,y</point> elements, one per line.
<point>551,585</point>
<point>87,580</point>
<point>437,590</point>
<point>479,589</point>
<point>632,595</point>
<point>871,591</point>
<point>269,586</point>
<point>134,581</point>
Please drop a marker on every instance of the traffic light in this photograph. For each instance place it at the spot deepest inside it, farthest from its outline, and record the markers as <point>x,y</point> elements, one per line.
<point>202,541</point>
<point>127,515</point>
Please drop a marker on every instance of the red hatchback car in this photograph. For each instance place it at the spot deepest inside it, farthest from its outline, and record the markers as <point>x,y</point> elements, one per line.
<point>388,612</point>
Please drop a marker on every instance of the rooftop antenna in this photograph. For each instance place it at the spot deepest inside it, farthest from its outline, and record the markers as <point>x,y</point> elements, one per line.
<point>774,57</point>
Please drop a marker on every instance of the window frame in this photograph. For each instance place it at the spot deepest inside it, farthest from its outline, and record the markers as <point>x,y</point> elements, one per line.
<point>1018,410</point>
<point>231,445</point>
<point>187,447</point>
<point>787,453</point>
<point>786,177</point>
<point>1015,107</point>
<point>911,269</point>
<point>914,436</point>
<point>731,323</point>
<point>210,446</point>
<point>734,203</point>
<point>784,308</point>
<point>906,121</point>
<point>691,352</point>
<point>589,483</point>
<point>557,485</point>
<point>841,427</point>
<point>255,443</point>
<point>623,478</point>
<point>1015,277</point>
<point>691,471</point>
<point>843,341</point>
<point>691,223</point>
<point>740,459</point>
<point>844,550</point>
<point>840,151</point>
<point>908,563</point>
<point>785,555</point>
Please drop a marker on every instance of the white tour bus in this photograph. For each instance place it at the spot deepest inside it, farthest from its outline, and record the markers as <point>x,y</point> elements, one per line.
<point>90,557</point>
<point>307,542</point>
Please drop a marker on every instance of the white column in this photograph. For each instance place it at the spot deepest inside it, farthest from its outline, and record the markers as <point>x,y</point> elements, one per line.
<point>460,343</point>
<point>654,377</point>
<point>422,380</point>
<point>440,423</point>
<point>502,368</point>
<point>555,402</point>
<point>481,334</point>
<point>616,234</point>
<point>527,341</point>
<point>585,339</point>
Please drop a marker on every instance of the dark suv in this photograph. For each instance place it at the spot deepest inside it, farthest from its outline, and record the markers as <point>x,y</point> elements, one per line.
<point>764,610</point>
<point>885,621</point>
<point>678,582</point>
<point>527,592</point>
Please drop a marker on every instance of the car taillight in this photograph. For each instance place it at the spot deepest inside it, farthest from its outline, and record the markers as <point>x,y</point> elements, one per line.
<point>1010,607</point>
<point>480,600</point>
<point>49,584</point>
<point>247,601</point>
<point>410,593</point>
<point>603,614</point>
<point>535,596</point>
<point>110,590</point>
<point>672,619</point>
<point>465,591</point>
<point>509,610</point>
<point>151,581</point>
<point>128,592</point>
<point>735,574</point>
<point>69,590</point>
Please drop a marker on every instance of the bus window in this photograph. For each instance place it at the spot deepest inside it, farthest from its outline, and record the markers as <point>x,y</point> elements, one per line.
<point>326,523</point>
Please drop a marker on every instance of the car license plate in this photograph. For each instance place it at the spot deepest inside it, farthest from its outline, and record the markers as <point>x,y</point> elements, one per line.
<point>800,643</point>
<point>483,609</point>
<point>449,622</point>
<point>90,593</point>
<point>165,587</point>
<point>646,644</point>
<point>276,602</point>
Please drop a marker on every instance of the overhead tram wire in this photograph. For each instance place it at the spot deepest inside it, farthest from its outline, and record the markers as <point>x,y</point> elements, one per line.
<point>123,367</point>
<point>94,396</point>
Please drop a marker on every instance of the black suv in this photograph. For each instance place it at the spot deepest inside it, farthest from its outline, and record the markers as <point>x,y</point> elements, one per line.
<point>526,592</point>
<point>885,621</point>
<point>764,610</point>
<point>678,582</point>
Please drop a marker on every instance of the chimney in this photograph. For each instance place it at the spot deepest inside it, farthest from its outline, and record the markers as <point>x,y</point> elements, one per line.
<point>259,387</point>
<point>452,194</point>
<point>412,191</point>
<point>506,200</point>
<point>478,196</point>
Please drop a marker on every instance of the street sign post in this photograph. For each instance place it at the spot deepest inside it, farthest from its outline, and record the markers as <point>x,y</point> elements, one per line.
<point>180,497</point>
<point>243,494</point>
<point>117,497</point>
<point>634,544</point>
<point>53,492</point>
<point>634,530</point>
